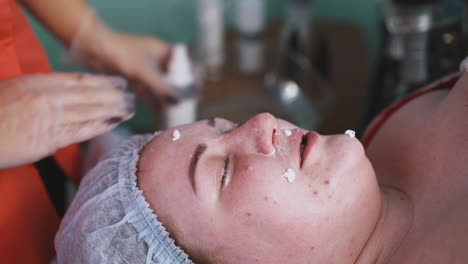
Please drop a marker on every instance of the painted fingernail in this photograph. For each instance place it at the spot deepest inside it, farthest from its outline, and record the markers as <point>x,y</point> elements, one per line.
<point>130,103</point>
<point>130,108</point>
<point>171,99</point>
<point>114,120</point>
<point>129,99</point>
<point>119,83</point>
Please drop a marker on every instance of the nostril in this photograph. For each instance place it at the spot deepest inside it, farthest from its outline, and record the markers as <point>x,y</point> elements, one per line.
<point>266,144</point>
<point>270,154</point>
<point>273,136</point>
<point>264,129</point>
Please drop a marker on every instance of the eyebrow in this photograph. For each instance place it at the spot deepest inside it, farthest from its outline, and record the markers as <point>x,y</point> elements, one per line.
<point>212,122</point>
<point>193,164</point>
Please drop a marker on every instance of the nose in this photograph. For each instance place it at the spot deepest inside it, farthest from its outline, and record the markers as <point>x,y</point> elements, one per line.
<point>258,132</point>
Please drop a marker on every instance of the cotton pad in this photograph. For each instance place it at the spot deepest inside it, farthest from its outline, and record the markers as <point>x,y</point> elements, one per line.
<point>350,133</point>
<point>290,175</point>
<point>175,135</point>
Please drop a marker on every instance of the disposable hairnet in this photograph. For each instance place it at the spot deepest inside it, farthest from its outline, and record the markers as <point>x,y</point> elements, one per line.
<point>109,220</point>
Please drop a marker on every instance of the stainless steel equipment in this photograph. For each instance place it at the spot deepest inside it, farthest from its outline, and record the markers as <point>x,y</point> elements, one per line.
<point>421,42</point>
<point>296,85</point>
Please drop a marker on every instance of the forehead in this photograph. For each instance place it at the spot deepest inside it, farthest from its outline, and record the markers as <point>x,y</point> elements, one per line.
<point>172,150</point>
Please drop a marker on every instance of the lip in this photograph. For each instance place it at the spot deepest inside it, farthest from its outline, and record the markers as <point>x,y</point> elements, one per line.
<point>294,141</point>
<point>312,138</point>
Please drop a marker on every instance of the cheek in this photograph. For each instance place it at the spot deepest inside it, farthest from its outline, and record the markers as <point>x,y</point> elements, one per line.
<point>355,196</point>
<point>342,167</point>
<point>358,179</point>
<point>260,193</point>
<point>256,184</point>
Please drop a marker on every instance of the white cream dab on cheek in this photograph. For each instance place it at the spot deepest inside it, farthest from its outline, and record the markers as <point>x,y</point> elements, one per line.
<point>290,175</point>
<point>350,133</point>
<point>175,135</point>
<point>287,132</point>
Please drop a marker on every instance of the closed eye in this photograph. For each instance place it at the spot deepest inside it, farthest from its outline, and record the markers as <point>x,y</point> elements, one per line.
<point>235,126</point>
<point>193,164</point>
<point>212,123</point>
<point>228,130</point>
<point>226,175</point>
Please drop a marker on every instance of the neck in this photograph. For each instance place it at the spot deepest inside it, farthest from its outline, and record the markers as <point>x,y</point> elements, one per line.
<point>394,223</point>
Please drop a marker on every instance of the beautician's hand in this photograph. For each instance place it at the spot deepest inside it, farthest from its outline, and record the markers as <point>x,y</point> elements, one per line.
<point>141,59</point>
<point>42,113</point>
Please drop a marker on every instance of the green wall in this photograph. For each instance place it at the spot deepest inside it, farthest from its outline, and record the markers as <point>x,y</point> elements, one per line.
<point>173,20</point>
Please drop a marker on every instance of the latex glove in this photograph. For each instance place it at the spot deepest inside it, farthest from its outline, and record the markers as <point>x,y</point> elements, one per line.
<point>42,113</point>
<point>141,59</point>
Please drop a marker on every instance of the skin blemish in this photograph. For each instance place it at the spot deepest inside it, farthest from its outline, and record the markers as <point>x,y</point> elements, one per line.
<point>326,182</point>
<point>248,214</point>
<point>275,202</point>
<point>265,198</point>
<point>315,192</point>
<point>312,248</point>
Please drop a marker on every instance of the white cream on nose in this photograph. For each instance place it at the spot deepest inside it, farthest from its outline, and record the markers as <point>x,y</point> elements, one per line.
<point>287,132</point>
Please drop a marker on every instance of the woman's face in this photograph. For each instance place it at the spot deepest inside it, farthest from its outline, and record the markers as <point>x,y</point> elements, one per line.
<point>251,194</point>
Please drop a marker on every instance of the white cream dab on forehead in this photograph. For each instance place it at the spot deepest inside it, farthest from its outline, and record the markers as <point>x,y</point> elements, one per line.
<point>287,132</point>
<point>290,175</point>
<point>175,135</point>
<point>350,133</point>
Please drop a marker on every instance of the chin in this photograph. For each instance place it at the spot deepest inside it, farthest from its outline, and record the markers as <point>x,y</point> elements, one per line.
<point>349,159</point>
<point>344,147</point>
<point>353,144</point>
